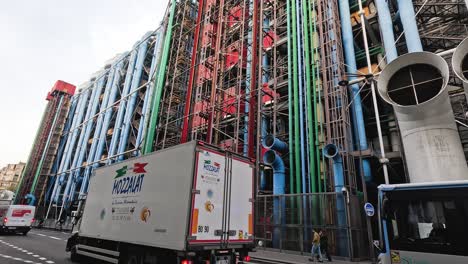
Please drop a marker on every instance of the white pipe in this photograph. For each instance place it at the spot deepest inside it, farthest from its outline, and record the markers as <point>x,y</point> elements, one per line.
<point>383,159</point>
<point>416,85</point>
<point>460,63</point>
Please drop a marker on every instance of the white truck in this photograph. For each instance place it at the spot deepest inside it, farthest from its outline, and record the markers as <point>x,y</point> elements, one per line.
<point>188,204</point>
<point>16,218</point>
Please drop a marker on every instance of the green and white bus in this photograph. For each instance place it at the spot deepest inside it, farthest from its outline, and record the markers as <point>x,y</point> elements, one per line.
<point>424,223</point>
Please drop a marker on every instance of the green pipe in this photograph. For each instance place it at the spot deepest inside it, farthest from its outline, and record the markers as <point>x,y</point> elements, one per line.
<point>312,154</point>
<point>315,80</point>
<point>290,102</point>
<point>159,84</point>
<point>46,147</point>
<point>36,138</point>
<point>296,102</point>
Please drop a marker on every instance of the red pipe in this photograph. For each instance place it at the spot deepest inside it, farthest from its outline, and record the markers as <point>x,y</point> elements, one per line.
<point>188,99</point>
<point>253,82</point>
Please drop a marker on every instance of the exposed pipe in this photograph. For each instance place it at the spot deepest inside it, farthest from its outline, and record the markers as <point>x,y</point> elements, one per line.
<point>273,143</point>
<point>136,78</point>
<point>83,142</point>
<point>159,83</point>
<point>415,84</point>
<point>46,147</point>
<point>272,159</point>
<point>108,113</point>
<point>121,112</point>
<point>386,29</point>
<point>61,148</point>
<point>331,151</point>
<point>407,16</point>
<point>301,98</point>
<point>290,99</point>
<point>460,63</point>
<point>149,93</point>
<point>350,59</point>
<point>296,139</point>
<point>65,162</point>
<point>97,131</point>
<point>310,89</point>
<point>30,199</point>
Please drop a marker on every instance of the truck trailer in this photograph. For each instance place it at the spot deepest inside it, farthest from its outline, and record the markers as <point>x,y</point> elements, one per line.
<point>191,203</point>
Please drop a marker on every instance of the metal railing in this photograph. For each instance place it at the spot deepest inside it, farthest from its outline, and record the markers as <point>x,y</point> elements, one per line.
<point>286,223</point>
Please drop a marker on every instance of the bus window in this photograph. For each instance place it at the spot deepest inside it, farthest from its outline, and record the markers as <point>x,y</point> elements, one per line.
<point>433,225</point>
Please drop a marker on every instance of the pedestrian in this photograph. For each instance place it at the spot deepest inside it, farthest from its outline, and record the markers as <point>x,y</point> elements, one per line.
<point>324,244</point>
<point>316,246</point>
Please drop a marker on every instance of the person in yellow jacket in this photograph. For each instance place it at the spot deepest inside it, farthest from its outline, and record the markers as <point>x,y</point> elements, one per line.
<point>316,246</point>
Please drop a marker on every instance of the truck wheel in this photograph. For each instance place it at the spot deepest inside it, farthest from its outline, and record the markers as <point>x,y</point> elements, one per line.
<point>74,257</point>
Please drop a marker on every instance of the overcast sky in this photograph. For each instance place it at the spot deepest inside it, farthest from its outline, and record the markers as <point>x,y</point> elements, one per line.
<point>43,41</point>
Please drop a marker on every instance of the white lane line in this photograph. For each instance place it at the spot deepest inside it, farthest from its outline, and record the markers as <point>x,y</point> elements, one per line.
<point>36,256</point>
<point>49,261</point>
<point>29,253</point>
<point>56,238</point>
<point>42,258</point>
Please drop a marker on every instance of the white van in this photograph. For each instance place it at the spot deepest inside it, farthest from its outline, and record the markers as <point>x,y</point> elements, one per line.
<point>16,218</point>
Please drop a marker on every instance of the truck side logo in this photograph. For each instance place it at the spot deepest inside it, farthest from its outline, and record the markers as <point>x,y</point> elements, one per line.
<point>129,184</point>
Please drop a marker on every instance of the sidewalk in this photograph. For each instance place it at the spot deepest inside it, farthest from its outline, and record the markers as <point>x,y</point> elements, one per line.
<point>276,257</point>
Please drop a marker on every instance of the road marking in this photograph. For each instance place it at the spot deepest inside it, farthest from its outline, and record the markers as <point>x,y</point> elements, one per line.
<point>56,238</point>
<point>42,258</point>
<point>49,261</point>
<point>19,259</point>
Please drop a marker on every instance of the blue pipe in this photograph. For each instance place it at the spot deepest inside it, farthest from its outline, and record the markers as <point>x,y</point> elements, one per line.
<point>386,29</point>
<point>264,123</point>
<point>120,113</point>
<point>149,92</point>
<point>271,142</point>
<point>65,163</point>
<point>108,114</point>
<point>413,41</point>
<point>330,151</point>
<point>247,85</point>
<point>279,183</point>
<point>30,199</point>
<point>131,103</point>
<point>61,148</point>
<point>84,137</point>
<point>97,130</point>
<point>350,59</point>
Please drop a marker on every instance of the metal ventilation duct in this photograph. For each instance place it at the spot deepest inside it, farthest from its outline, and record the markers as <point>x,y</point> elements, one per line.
<point>415,84</point>
<point>460,63</point>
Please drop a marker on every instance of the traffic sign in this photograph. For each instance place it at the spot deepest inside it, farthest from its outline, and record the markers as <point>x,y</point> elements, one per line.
<point>369,208</point>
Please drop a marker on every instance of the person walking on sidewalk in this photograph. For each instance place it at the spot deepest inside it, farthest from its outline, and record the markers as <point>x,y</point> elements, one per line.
<point>316,246</point>
<point>324,244</point>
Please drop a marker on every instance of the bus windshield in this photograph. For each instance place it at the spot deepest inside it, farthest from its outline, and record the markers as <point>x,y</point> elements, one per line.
<point>429,220</point>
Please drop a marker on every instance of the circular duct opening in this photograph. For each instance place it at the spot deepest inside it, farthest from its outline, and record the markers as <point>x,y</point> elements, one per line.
<point>415,84</point>
<point>464,67</point>
<point>330,151</point>
<point>269,157</point>
<point>269,141</point>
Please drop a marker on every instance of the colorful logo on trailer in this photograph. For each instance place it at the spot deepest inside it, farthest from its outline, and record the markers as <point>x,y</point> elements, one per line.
<point>212,167</point>
<point>132,183</point>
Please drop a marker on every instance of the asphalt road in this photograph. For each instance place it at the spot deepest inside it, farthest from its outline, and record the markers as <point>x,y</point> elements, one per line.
<point>38,247</point>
